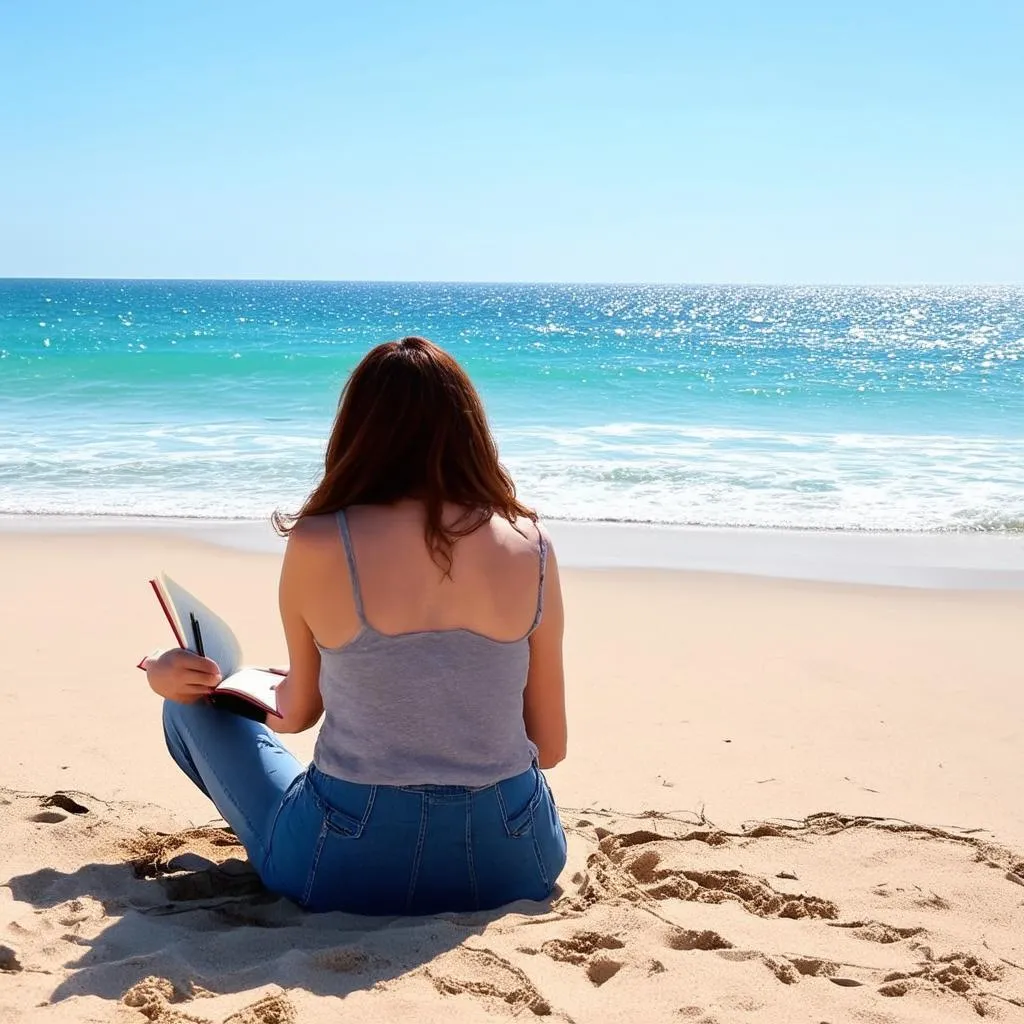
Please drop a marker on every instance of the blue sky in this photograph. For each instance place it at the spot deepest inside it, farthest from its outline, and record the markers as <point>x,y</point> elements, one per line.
<point>630,141</point>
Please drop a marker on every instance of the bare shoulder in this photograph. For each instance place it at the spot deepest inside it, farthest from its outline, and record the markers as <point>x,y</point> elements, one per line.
<point>312,534</point>
<point>543,534</point>
<point>522,536</point>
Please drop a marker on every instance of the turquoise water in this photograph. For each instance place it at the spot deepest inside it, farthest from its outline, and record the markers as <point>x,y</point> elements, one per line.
<point>854,408</point>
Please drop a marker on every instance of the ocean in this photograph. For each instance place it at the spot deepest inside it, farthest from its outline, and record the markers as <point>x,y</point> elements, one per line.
<point>880,409</point>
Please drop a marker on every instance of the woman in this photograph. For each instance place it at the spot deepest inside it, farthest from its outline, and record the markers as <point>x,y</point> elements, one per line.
<point>423,616</point>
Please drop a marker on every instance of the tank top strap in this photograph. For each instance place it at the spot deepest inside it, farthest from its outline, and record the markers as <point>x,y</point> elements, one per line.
<point>540,586</point>
<point>350,557</point>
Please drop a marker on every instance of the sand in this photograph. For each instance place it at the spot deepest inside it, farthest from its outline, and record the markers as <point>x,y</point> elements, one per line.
<point>787,801</point>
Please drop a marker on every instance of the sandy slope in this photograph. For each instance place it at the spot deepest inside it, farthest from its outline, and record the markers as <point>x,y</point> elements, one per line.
<point>753,699</point>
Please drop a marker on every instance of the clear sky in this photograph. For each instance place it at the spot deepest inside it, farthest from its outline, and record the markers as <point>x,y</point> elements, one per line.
<point>610,140</point>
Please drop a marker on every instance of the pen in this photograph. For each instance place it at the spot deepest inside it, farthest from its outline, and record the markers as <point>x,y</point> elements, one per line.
<point>198,634</point>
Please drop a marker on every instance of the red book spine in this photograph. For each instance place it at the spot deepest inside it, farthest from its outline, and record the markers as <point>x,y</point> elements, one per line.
<point>168,613</point>
<point>170,619</point>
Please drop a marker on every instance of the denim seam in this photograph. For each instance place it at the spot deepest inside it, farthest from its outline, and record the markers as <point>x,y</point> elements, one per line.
<point>531,808</point>
<point>369,806</point>
<point>421,839</point>
<point>318,850</point>
<point>469,853</point>
<point>277,817</point>
<point>503,809</point>
<point>320,805</point>
<point>264,851</point>
<point>537,851</point>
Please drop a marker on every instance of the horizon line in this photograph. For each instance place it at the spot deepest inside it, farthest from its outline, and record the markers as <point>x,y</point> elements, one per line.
<point>521,283</point>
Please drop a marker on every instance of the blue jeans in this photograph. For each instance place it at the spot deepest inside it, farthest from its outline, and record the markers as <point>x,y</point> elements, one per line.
<point>329,844</point>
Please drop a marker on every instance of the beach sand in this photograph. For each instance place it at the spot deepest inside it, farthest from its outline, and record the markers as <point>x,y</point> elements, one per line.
<point>787,801</point>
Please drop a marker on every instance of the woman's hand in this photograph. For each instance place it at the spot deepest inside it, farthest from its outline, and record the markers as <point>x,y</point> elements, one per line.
<point>182,676</point>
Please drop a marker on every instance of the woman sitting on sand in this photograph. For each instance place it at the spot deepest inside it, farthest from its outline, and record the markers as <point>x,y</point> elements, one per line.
<point>423,616</point>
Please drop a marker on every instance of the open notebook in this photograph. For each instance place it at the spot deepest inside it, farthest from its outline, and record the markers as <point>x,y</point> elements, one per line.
<point>215,639</point>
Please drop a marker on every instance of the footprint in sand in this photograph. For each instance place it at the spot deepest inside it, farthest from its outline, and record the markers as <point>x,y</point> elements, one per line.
<point>788,970</point>
<point>813,967</point>
<point>65,802</point>
<point>190,865</point>
<point>56,808</point>
<point>683,938</point>
<point>577,948</point>
<point>157,853</point>
<point>876,931</point>
<point>9,962</point>
<point>603,969</point>
<point>958,973</point>
<point>153,997</point>
<point>79,910</point>
<point>486,975</point>
<point>269,1010</point>
<point>783,970</point>
<point>587,950</point>
<point>48,817</point>
<point>628,866</point>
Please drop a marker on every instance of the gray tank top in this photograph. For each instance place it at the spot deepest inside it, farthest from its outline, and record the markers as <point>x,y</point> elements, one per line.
<point>439,707</point>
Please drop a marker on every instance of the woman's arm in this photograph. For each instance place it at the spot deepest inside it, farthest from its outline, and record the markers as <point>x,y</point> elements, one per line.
<point>544,698</point>
<point>298,696</point>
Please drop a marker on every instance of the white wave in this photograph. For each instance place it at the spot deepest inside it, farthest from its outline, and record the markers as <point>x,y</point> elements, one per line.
<point>708,476</point>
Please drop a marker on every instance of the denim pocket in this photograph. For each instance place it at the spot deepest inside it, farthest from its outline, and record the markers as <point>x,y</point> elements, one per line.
<point>518,798</point>
<point>344,825</point>
<point>346,806</point>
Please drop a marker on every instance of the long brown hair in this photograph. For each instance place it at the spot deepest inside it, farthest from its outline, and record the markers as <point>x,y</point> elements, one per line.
<point>410,424</point>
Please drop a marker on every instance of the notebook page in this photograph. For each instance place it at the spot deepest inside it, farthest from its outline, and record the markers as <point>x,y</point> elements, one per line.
<point>219,642</point>
<point>255,683</point>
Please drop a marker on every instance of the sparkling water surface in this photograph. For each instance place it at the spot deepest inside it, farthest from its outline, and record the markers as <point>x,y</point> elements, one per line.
<point>850,408</point>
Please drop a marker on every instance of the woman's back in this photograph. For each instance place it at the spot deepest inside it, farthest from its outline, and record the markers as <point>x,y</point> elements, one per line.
<point>491,590</point>
<point>430,634</point>
<point>422,671</point>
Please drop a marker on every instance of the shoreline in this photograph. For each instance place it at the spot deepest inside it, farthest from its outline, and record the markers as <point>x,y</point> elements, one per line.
<point>942,561</point>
